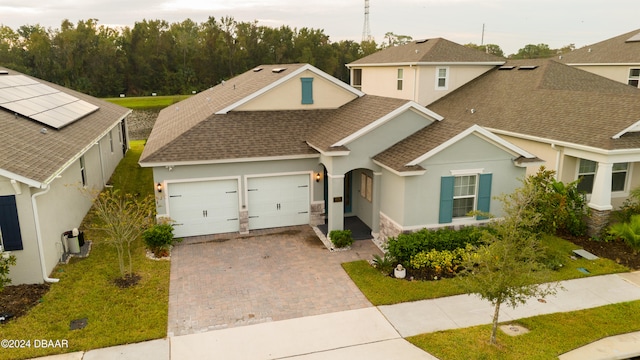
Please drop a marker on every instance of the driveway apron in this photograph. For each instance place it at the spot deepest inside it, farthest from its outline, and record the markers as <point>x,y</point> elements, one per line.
<point>227,280</point>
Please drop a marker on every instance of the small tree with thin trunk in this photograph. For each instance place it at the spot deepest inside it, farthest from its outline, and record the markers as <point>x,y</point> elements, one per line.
<point>122,219</point>
<point>508,269</point>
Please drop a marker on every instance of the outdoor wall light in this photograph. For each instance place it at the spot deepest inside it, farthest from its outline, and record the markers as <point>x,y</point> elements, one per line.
<point>159,187</point>
<point>317,177</point>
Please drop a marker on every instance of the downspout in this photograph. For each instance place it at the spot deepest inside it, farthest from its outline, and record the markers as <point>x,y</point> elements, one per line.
<point>557,169</point>
<point>36,218</point>
<point>101,163</point>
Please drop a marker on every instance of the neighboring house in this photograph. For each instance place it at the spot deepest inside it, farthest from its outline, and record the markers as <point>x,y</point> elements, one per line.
<point>617,58</point>
<point>583,125</point>
<point>288,144</point>
<point>54,141</point>
<point>422,71</point>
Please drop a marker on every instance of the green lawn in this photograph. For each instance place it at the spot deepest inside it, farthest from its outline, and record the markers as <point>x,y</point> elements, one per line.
<point>147,102</point>
<point>549,336</point>
<point>86,290</point>
<point>384,290</point>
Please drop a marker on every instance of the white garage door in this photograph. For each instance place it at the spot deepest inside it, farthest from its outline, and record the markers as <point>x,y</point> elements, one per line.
<point>204,207</point>
<point>278,201</point>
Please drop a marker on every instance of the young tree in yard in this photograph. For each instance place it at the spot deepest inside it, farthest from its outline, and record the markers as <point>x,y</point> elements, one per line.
<point>122,219</point>
<point>509,269</point>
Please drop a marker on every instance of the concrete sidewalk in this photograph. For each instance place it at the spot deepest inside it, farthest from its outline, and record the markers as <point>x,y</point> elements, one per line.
<point>377,333</point>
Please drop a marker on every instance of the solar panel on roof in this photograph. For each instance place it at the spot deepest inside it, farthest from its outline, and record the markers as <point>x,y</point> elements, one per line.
<point>634,38</point>
<point>40,102</point>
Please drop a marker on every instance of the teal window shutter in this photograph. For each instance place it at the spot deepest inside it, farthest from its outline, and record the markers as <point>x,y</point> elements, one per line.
<point>484,194</point>
<point>307,90</point>
<point>446,199</point>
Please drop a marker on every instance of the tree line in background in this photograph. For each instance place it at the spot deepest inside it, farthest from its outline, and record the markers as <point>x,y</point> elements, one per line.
<point>178,58</point>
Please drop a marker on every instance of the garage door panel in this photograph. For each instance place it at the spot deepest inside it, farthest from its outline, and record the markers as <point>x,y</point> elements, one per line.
<point>205,207</point>
<point>278,201</point>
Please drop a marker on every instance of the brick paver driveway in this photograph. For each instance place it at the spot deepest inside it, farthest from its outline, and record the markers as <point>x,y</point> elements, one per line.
<point>231,280</point>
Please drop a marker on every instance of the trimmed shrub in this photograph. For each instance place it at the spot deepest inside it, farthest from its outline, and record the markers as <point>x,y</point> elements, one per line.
<point>341,238</point>
<point>406,246</point>
<point>159,239</point>
<point>440,262</point>
<point>6,261</point>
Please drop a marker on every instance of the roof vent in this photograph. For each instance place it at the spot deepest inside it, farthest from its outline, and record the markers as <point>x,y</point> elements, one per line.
<point>4,72</point>
<point>528,67</point>
<point>506,67</point>
<point>278,70</point>
<point>43,131</point>
<point>421,41</point>
<point>634,38</point>
<point>258,69</point>
<point>589,50</point>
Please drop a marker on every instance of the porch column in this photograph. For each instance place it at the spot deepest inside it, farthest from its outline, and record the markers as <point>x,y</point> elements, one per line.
<point>375,204</point>
<point>335,202</point>
<point>600,203</point>
<point>601,193</point>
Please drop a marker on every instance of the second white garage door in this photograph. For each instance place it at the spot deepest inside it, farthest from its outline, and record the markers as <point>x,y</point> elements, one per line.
<point>278,201</point>
<point>204,207</point>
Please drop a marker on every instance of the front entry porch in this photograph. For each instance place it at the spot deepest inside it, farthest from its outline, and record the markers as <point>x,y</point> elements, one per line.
<point>359,230</point>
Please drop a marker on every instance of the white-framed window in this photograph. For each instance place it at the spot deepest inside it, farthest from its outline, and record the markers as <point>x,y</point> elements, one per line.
<point>83,171</point>
<point>464,195</point>
<point>442,78</point>
<point>587,173</point>
<point>634,77</point>
<point>356,82</point>
<point>366,187</point>
<point>400,78</point>
<point>619,176</point>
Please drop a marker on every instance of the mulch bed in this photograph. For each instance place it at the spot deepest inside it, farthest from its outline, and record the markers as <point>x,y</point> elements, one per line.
<point>16,300</point>
<point>616,250</point>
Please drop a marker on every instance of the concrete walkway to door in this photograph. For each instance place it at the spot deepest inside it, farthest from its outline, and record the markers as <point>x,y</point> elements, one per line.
<point>228,280</point>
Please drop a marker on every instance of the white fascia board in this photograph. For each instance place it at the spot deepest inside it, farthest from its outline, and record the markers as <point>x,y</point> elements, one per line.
<point>330,153</point>
<point>86,148</point>
<point>409,105</point>
<point>22,179</point>
<point>604,64</point>
<point>559,143</point>
<point>226,161</point>
<point>635,127</point>
<point>414,63</point>
<point>399,173</point>
<point>480,130</point>
<point>287,78</point>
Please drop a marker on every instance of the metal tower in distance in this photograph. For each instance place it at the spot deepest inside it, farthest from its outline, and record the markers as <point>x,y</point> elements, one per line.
<point>366,31</point>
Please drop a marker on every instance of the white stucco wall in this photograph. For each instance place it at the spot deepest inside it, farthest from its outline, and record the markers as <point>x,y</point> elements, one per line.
<point>60,209</point>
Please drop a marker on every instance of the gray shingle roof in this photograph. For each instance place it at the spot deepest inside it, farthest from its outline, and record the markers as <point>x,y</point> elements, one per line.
<point>553,101</point>
<point>616,50</point>
<point>27,152</point>
<point>177,119</point>
<point>436,50</point>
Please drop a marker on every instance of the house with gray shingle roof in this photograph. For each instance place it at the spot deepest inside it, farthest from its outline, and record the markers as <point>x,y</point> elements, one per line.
<point>422,71</point>
<point>54,142</point>
<point>288,145</point>
<point>583,124</point>
<point>617,58</point>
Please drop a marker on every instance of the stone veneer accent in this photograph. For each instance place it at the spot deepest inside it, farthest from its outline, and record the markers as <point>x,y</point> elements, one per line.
<point>317,214</point>
<point>244,221</point>
<point>387,229</point>
<point>597,222</point>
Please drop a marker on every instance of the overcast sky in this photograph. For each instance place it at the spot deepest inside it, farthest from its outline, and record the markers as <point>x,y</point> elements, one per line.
<point>511,24</point>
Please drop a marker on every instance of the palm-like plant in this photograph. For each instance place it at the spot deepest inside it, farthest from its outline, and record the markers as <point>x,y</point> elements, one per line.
<point>629,232</point>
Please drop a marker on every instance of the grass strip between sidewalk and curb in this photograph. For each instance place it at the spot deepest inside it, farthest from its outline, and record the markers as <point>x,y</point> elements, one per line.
<point>86,290</point>
<point>549,335</point>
